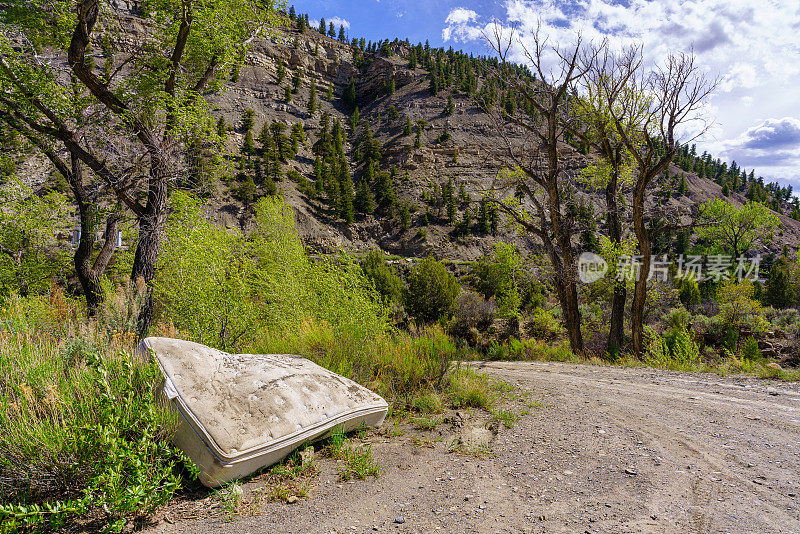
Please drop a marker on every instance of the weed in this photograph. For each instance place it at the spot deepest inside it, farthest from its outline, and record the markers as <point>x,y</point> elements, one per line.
<point>429,402</point>
<point>427,422</point>
<point>507,418</point>
<point>468,388</point>
<point>476,450</point>
<point>356,460</point>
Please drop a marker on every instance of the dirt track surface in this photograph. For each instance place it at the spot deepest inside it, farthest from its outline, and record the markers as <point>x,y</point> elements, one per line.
<point>607,450</point>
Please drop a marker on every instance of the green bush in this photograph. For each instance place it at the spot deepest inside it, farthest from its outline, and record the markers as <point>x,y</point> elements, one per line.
<point>225,289</point>
<point>386,282</point>
<point>750,350</point>
<point>675,350</point>
<point>543,325</point>
<point>432,291</point>
<point>82,434</point>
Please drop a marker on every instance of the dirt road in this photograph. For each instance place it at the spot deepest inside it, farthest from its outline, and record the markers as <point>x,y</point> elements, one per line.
<point>603,449</point>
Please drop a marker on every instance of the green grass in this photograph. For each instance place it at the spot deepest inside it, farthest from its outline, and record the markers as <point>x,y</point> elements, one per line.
<point>356,460</point>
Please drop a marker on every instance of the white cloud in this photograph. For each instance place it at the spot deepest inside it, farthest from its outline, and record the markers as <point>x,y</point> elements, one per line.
<point>337,21</point>
<point>458,25</point>
<point>461,15</point>
<point>772,145</point>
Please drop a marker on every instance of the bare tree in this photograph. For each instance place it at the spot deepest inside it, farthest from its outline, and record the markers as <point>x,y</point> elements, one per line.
<point>649,110</point>
<point>535,189</point>
<point>613,172</point>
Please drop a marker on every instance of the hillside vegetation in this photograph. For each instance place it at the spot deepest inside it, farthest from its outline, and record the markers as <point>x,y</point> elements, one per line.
<point>225,174</point>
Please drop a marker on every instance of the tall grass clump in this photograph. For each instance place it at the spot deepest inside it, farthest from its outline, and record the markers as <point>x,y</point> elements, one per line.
<point>263,293</point>
<point>82,435</point>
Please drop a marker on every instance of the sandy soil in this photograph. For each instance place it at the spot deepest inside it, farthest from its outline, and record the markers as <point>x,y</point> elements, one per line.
<point>602,449</point>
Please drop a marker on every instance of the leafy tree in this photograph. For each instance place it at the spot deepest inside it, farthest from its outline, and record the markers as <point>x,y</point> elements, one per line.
<point>28,225</point>
<point>432,291</point>
<point>386,282</point>
<point>737,230</point>
<point>155,103</point>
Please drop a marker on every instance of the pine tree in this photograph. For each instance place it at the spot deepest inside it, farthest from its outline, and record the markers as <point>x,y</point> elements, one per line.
<point>248,147</point>
<point>494,218</point>
<point>364,201</point>
<point>322,27</point>
<point>390,90</point>
<point>407,126</point>
<point>312,99</point>
<point>287,94</point>
<point>405,217</point>
<point>297,79</point>
<point>269,186</point>
<point>222,128</point>
<point>342,36</point>
<point>346,210</point>
<point>349,94</point>
<point>449,108</point>
<point>281,72</point>
<point>354,118</point>
<point>483,217</point>
<point>331,30</point>
<point>248,120</point>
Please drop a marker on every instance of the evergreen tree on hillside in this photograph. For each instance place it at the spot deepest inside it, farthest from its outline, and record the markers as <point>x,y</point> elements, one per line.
<point>364,201</point>
<point>322,27</point>
<point>349,94</point>
<point>312,99</point>
<point>346,210</point>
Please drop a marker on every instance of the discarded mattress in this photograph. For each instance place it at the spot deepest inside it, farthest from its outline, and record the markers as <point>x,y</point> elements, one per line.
<point>242,412</point>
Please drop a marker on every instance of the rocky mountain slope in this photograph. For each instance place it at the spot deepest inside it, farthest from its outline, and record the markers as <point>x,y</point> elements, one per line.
<point>460,144</point>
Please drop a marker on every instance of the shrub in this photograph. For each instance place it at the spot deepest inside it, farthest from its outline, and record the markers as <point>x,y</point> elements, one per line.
<point>225,289</point>
<point>432,291</point>
<point>675,350</point>
<point>82,434</point>
<point>750,350</point>
<point>543,325</point>
<point>472,312</point>
<point>678,318</point>
<point>386,282</point>
<point>737,305</point>
<point>688,291</point>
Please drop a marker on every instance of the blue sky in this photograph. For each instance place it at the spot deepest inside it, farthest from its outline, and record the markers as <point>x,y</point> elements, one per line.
<point>752,45</point>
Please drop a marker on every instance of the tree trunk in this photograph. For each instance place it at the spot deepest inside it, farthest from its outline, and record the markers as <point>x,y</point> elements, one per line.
<point>89,274</point>
<point>567,291</point>
<point>640,290</point>
<point>151,222</point>
<point>615,336</point>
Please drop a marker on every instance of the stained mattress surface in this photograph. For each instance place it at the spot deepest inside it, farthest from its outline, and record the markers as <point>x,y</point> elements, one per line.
<point>241,405</point>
